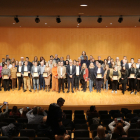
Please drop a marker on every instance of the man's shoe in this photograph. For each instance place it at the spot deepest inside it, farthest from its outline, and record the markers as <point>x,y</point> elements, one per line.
<point>24,90</point>
<point>135,92</point>
<point>63,91</point>
<point>67,91</point>
<point>30,90</point>
<point>58,91</point>
<point>72,91</point>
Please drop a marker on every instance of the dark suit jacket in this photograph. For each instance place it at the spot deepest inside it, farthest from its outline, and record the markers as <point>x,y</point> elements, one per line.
<point>102,71</point>
<point>100,61</point>
<point>85,61</point>
<point>73,70</point>
<point>29,63</point>
<point>28,69</point>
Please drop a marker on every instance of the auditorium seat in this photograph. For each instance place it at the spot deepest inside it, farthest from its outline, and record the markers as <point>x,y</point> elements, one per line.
<point>20,138</point>
<point>79,112</point>
<point>32,126</point>
<point>4,138</point>
<point>22,120</point>
<point>9,110</point>
<point>69,116</point>
<point>14,116</point>
<point>81,126</point>
<point>130,116</point>
<point>3,124</point>
<point>79,116</point>
<point>81,133</point>
<point>118,115</point>
<point>133,126</point>
<point>107,121</point>
<point>134,133</point>
<point>42,138</point>
<point>101,112</point>
<point>94,133</point>
<point>68,112</point>
<point>112,112</point>
<point>94,127</point>
<point>105,116</point>
<point>79,121</point>
<point>9,120</point>
<point>27,132</point>
<point>125,138</point>
<point>136,111</point>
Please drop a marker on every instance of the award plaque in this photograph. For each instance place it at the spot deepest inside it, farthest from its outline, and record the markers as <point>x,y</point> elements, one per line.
<point>35,74</point>
<point>18,74</point>
<point>5,77</point>
<point>25,73</point>
<point>99,75</point>
<point>45,74</point>
<point>115,77</point>
<point>132,75</point>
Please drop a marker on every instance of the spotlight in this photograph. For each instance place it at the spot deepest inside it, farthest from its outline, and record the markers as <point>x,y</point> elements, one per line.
<point>79,20</point>
<point>37,20</point>
<point>58,20</point>
<point>99,20</point>
<point>120,19</point>
<point>16,19</point>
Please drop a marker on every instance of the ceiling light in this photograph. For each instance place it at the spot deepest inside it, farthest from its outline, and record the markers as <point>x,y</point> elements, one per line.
<point>58,20</point>
<point>77,26</point>
<point>37,20</point>
<point>16,19</point>
<point>110,23</point>
<point>120,19</point>
<point>19,26</point>
<point>45,23</point>
<point>79,20</point>
<point>99,20</point>
<point>135,26</point>
<point>83,5</point>
<point>13,23</point>
<point>106,26</point>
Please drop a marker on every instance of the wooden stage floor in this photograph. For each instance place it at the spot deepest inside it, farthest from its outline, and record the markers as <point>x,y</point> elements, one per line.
<point>103,100</point>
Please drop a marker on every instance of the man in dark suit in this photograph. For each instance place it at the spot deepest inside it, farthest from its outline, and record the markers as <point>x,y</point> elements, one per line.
<point>29,63</point>
<point>124,58</point>
<point>71,70</point>
<point>20,79</point>
<point>26,79</point>
<point>125,64</point>
<point>85,61</point>
<point>77,75</point>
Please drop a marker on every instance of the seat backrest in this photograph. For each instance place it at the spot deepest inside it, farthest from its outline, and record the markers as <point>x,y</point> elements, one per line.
<point>105,116</point>
<point>77,116</point>
<point>20,138</point>
<point>4,138</point>
<point>103,112</point>
<point>42,138</point>
<point>67,111</point>
<point>81,133</point>
<point>137,111</point>
<point>81,126</point>
<point>27,133</point>
<point>22,120</point>
<point>9,120</point>
<point>79,121</point>
<point>134,133</point>
<point>112,112</point>
<point>80,112</point>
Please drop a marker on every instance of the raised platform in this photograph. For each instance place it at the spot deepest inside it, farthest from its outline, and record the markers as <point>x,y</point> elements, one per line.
<point>73,101</point>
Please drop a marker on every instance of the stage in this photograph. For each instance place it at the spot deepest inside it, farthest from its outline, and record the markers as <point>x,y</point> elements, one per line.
<point>76,100</point>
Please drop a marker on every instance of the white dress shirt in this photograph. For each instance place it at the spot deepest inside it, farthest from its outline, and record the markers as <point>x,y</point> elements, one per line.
<point>61,70</point>
<point>129,64</point>
<point>77,70</point>
<point>10,66</point>
<point>137,65</point>
<point>25,68</point>
<point>99,70</point>
<point>35,69</point>
<point>70,70</point>
<point>19,68</point>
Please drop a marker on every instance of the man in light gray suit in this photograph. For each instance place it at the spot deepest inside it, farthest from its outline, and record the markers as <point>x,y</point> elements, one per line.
<point>35,71</point>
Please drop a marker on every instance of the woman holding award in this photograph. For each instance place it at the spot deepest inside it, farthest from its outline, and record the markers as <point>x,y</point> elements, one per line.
<point>5,76</point>
<point>115,75</point>
<point>132,78</point>
<point>13,71</point>
<point>47,69</point>
<point>54,78</point>
<point>0,76</point>
<point>99,74</point>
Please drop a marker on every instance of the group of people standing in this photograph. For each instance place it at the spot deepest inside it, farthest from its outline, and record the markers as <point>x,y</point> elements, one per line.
<point>60,73</point>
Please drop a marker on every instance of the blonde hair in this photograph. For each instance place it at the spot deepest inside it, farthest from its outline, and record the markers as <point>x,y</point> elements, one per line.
<point>83,65</point>
<point>54,64</point>
<point>90,65</point>
<point>47,64</point>
<point>100,132</point>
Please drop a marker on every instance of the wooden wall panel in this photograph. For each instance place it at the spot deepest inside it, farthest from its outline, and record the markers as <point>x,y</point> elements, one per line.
<point>105,42</point>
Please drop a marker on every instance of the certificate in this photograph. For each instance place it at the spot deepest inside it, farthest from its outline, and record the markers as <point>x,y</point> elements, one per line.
<point>25,73</point>
<point>99,75</point>
<point>45,74</point>
<point>115,77</point>
<point>132,75</point>
<point>35,74</point>
<point>5,77</point>
<point>18,74</point>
